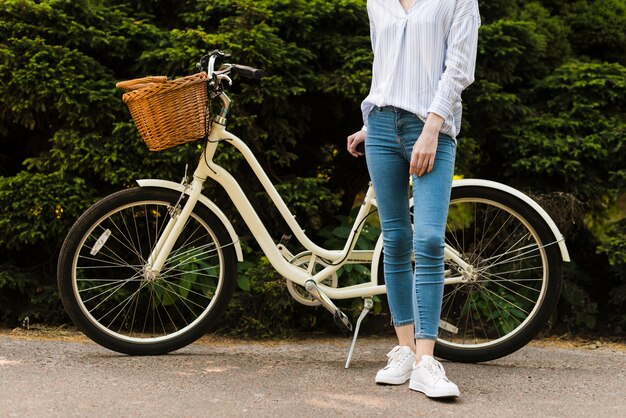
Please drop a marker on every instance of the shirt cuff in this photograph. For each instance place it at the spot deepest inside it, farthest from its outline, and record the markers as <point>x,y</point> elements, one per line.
<point>364,128</point>
<point>441,107</point>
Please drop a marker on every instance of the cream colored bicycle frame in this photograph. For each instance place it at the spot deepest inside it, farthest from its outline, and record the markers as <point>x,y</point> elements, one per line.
<point>278,255</point>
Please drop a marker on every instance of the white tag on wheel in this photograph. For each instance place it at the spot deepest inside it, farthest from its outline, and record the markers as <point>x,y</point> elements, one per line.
<point>100,243</point>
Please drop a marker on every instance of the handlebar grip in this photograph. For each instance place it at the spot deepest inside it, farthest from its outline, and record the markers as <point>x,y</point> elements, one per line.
<point>138,83</point>
<point>247,72</point>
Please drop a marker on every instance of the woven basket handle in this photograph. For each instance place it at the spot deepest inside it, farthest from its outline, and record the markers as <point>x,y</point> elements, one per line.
<point>140,83</point>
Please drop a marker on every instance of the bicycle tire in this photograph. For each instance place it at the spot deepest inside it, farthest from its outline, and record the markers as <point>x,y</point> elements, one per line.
<point>110,298</point>
<point>518,281</point>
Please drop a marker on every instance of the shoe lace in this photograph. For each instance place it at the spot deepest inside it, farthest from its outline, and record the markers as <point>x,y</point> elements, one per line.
<point>436,370</point>
<point>395,356</point>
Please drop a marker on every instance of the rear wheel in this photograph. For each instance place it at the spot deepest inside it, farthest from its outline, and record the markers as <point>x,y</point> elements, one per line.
<point>515,285</point>
<point>517,275</point>
<point>111,296</point>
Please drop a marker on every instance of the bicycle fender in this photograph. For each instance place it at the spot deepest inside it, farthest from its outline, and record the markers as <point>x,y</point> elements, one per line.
<point>526,199</point>
<point>205,201</point>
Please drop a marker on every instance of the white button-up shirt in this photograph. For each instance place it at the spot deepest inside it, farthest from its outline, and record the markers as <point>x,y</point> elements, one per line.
<point>423,58</point>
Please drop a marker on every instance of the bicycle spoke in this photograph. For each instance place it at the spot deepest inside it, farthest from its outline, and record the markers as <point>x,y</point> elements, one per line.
<point>493,319</point>
<point>184,300</point>
<point>514,292</point>
<point>165,308</point>
<point>510,249</point>
<point>496,234</point>
<point>133,249</point>
<point>153,301</point>
<point>109,282</point>
<point>108,253</point>
<point>132,324</point>
<point>175,294</point>
<point>491,292</point>
<point>118,305</point>
<point>518,257</point>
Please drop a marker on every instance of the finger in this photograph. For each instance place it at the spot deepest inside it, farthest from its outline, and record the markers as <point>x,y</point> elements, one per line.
<point>350,145</point>
<point>431,164</point>
<point>413,165</point>
<point>352,149</point>
<point>419,166</point>
<point>423,164</point>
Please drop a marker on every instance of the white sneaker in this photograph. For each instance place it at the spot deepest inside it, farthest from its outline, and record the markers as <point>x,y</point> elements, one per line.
<point>429,378</point>
<point>399,367</point>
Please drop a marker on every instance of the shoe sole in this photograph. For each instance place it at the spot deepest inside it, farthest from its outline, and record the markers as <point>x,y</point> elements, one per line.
<point>393,380</point>
<point>418,387</point>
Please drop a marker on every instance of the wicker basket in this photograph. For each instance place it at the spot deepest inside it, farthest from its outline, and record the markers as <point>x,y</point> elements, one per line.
<point>168,112</point>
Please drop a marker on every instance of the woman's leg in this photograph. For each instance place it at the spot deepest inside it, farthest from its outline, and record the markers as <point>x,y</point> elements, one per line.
<point>431,196</point>
<point>425,289</point>
<point>389,167</point>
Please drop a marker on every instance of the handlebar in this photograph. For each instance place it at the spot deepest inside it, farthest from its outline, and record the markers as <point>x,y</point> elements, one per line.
<point>248,72</point>
<point>208,63</point>
<point>215,58</point>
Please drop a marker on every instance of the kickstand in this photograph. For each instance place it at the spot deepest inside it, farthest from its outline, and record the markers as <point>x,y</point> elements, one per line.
<point>368,304</point>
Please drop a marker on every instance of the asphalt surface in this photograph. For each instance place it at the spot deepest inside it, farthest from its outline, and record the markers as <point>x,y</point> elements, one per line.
<point>58,377</point>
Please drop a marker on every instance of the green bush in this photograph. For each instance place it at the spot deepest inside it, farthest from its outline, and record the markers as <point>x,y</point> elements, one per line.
<point>546,114</point>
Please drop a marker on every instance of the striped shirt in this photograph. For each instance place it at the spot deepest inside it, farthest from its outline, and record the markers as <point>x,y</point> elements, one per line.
<point>423,58</point>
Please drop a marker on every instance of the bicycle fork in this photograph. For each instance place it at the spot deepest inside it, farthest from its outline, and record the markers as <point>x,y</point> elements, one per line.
<point>171,232</point>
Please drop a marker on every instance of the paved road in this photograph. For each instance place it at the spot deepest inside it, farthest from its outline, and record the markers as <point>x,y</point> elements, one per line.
<point>225,378</point>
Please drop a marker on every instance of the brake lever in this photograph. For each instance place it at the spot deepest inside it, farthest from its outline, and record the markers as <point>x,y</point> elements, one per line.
<point>222,77</point>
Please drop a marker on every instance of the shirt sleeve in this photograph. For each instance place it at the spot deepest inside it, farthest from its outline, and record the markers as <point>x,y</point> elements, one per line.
<point>372,31</point>
<point>365,109</point>
<point>460,61</point>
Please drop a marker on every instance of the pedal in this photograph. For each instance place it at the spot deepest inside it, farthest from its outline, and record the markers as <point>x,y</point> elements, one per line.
<point>342,322</point>
<point>339,317</point>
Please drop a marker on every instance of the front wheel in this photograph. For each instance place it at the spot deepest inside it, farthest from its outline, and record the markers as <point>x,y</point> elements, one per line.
<point>110,295</point>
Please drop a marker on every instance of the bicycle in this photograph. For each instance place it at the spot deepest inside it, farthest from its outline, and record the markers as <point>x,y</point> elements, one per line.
<point>150,269</point>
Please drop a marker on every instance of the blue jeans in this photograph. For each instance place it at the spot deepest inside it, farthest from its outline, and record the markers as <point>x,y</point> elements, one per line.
<point>414,294</point>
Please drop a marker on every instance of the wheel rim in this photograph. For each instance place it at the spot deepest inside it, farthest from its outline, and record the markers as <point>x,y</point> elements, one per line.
<point>114,292</point>
<point>510,283</point>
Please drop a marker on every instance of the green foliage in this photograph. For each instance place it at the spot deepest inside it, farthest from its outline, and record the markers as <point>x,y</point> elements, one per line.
<point>581,310</point>
<point>264,308</point>
<point>598,28</point>
<point>613,246</point>
<point>24,295</point>
<point>500,321</point>
<point>576,139</point>
<point>309,199</point>
<point>545,114</point>
<point>352,274</point>
<point>41,207</point>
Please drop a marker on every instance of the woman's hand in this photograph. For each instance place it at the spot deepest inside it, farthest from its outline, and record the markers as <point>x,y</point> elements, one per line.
<point>425,148</point>
<point>354,140</point>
